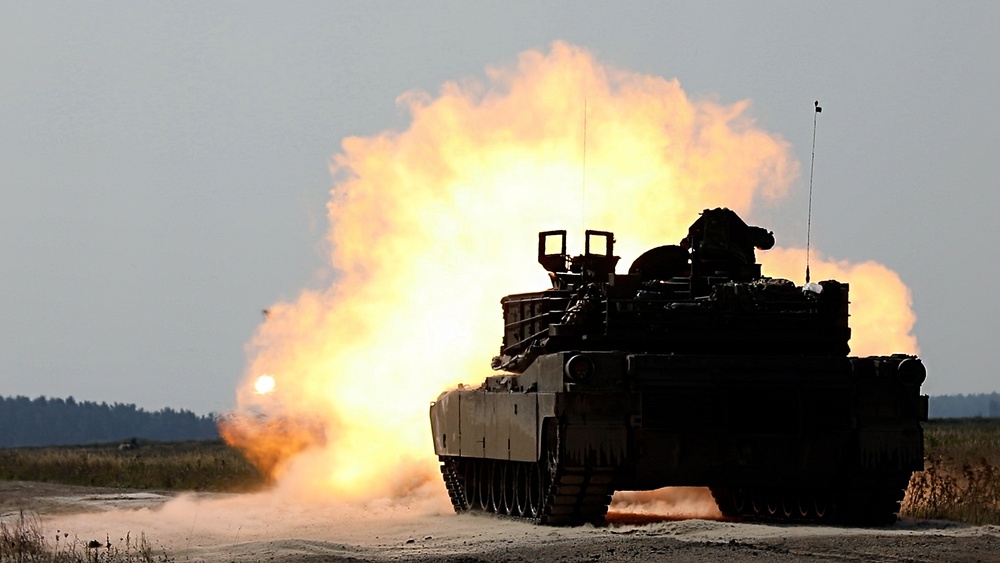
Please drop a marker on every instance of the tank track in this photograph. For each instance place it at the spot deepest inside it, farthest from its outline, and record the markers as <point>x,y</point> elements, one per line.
<point>863,504</point>
<point>550,494</point>
<point>534,492</point>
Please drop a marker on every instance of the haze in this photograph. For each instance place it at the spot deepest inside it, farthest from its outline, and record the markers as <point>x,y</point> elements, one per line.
<point>165,167</point>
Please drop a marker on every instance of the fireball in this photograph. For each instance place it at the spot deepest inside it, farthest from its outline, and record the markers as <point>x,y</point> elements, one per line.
<point>263,385</point>
<point>431,225</point>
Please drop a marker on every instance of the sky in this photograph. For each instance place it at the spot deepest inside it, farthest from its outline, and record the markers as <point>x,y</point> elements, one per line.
<point>165,166</point>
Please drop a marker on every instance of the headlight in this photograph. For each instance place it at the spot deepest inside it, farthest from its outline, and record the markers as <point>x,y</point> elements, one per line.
<point>579,368</point>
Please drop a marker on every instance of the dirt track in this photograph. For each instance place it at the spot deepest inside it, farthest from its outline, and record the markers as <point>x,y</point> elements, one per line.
<point>267,527</point>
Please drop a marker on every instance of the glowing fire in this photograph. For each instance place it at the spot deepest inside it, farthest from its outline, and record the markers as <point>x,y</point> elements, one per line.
<point>263,385</point>
<point>432,225</point>
<point>881,305</point>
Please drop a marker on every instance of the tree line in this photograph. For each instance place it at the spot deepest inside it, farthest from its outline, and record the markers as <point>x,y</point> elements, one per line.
<point>965,406</point>
<point>56,422</point>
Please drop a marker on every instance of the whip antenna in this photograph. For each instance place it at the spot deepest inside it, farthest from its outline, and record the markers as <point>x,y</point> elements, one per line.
<point>812,166</point>
<point>583,193</point>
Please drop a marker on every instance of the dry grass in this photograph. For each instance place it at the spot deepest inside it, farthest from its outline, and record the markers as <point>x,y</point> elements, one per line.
<point>961,476</point>
<point>195,466</point>
<point>22,540</point>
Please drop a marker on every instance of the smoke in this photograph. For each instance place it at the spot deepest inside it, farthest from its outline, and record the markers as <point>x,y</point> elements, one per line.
<point>431,225</point>
<point>881,307</point>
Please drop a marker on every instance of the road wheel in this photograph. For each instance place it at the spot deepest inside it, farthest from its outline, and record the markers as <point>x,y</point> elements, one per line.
<point>483,477</point>
<point>470,481</point>
<point>509,496</point>
<point>536,490</point>
<point>521,488</point>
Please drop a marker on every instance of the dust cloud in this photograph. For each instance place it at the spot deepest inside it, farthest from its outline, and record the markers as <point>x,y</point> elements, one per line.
<point>670,503</point>
<point>217,527</point>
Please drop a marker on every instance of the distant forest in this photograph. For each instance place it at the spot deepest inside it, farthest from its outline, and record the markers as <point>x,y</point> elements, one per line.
<point>55,422</point>
<point>965,406</point>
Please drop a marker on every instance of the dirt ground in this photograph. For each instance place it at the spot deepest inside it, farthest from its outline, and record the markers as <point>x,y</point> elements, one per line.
<point>271,527</point>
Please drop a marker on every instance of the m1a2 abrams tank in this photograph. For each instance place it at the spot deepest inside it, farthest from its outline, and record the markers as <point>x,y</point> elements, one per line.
<point>690,370</point>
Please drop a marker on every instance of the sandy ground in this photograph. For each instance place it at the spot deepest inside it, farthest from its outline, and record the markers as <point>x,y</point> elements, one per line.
<point>269,527</point>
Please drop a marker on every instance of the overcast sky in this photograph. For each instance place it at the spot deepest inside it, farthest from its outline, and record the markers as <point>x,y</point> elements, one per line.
<point>164,165</point>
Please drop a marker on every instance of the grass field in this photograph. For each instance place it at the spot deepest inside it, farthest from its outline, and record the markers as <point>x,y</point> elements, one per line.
<point>193,466</point>
<point>961,479</point>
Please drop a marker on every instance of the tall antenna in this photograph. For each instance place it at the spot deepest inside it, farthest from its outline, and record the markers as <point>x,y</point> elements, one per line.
<point>583,192</point>
<point>812,166</point>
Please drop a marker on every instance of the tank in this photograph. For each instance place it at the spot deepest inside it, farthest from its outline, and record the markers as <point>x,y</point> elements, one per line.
<point>692,369</point>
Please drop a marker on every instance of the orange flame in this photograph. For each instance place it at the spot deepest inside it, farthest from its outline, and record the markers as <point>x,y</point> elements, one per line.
<point>432,225</point>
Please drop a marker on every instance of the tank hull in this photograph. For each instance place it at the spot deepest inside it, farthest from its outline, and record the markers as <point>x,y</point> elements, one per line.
<point>773,437</point>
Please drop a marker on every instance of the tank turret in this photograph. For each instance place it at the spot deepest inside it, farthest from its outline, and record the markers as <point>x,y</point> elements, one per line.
<point>691,369</point>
